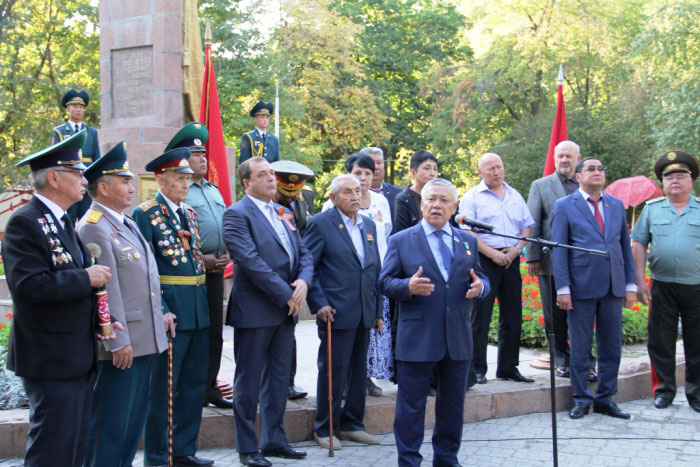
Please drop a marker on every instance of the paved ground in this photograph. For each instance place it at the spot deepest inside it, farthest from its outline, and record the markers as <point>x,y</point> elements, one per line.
<point>669,437</point>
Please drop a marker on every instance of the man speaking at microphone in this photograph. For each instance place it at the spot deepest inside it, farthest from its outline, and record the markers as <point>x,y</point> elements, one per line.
<point>494,202</point>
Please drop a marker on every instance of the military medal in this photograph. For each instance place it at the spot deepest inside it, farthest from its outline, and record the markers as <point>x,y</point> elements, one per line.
<point>174,262</point>
<point>137,255</point>
<point>184,259</point>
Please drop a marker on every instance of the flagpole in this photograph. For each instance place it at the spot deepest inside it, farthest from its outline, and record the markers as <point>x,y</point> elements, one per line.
<point>277,108</point>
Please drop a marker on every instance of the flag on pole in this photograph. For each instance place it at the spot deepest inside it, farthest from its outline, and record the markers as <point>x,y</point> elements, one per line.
<point>559,132</point>
<point>210,115</point>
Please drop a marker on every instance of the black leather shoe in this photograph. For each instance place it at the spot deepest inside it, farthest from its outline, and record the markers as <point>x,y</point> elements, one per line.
<point>191,461</point>
<point>515,376</point>
<point>254,459</point>
<point>286,452</point>
<point>695,405</point>
<point>481,378</point>
<point>294,393</point>
<point>563,372</point>
<point>579,410</point>
<point>592,376</point>
<point>661,402</point>
<point>611,410</point>
<point>218,401</point>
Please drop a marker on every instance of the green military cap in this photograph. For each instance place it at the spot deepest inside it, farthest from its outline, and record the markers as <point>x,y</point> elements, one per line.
<point>113,162</point>
<point>291,176</point>
<point>73,96</point>
<point>66,153</point>
<point>174,160</point>
<point>194,135</point>
<point>676,161</point>
<point>262,108</point>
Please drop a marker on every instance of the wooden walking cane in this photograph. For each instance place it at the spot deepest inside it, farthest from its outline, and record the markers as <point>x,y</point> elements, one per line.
<point>330,390</point>
<point>170,401</point>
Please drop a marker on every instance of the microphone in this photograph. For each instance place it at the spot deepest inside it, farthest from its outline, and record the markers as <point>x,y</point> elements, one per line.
<point>464,220</point>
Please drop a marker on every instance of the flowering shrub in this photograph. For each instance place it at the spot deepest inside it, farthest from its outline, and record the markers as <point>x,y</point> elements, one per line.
<point>533,333</point>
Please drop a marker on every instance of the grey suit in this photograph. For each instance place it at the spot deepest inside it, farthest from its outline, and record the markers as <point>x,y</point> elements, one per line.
<point>543,193</point>
<point>121,396</point>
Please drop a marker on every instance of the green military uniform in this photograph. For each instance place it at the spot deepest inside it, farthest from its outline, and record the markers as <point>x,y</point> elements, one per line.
<point>674,261</point>
<point>182,278</point>
<point>257,144</point>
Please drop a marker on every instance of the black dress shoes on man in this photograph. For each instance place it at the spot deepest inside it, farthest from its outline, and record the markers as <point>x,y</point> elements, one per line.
<point>563,372</point>
<point>254,459</point>
<point>515,376</point>
<point>481,378</point>
<point>191,461</point>
<point>286,452</point>
<point>217,400</point>
<point>661,402</point>
<point>579,410</point>
<point>294,393</point>
<point>695,405</point>
<point>611,410</point>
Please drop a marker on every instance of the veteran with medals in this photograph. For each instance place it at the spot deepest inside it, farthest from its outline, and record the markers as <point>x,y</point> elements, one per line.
<point>120,396</point>
<point>75,102</point>
<point>260,142</point>
<point>170,226</point>
<point>52,345</point>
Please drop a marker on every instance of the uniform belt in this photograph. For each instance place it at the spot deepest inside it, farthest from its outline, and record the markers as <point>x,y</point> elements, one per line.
<point>183,280</point>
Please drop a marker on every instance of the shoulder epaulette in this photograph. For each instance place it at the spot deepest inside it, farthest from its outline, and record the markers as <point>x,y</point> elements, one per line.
<point>146,205</point>
<point>94,217</point>
<point>307,188</point>
<point>656,200</point>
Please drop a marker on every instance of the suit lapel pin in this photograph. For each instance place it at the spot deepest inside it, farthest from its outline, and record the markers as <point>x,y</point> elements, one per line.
<point>370,238</point>
<point>340,226</point>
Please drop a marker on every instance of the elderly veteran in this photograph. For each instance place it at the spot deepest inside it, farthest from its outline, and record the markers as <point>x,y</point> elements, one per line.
<point>120,395</point>
<point>207,202</point>
<point>670,228</point>
<point>52,345</point>
<point>75,102</point>
<point>294,195</point>
<point>259,142</point>
<point>170,226</point>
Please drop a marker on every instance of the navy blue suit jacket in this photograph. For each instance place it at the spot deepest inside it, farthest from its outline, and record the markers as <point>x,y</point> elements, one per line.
<point>439,323</point>
<point>339,279</point>
<point>262,277</point>
<point>591,276</point>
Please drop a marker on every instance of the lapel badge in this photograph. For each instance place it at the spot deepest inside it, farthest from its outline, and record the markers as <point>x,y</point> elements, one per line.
<point>466,249</point>
<point>370,238</point>
<point>341,227</point>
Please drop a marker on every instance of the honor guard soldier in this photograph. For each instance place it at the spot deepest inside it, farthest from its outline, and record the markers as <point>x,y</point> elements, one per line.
<point>292,193</point>
<point>171,227</point>
<point>52,345</point>
<point>74,102</point>
<point>260,142</point>
<point>670,227</point>
<point>120,397</point>
<point>205,199</point>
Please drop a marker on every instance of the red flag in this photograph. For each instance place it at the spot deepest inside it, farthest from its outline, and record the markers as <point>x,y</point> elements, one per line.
<point>210,115</point>
<point>559,132</point>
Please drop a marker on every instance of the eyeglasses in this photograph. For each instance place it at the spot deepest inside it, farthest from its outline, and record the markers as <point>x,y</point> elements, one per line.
<point>676,176</point>
<point>77,173</point>
<point>592,169</point>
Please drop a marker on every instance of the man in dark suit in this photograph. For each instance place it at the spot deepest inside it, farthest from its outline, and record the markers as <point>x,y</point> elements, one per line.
<point>260,142</point>
<point>346,267</point>
<point>291,178</point>
<point>273,271</point>
<point>434,270</point>
<point>593,288</point>
<point>170,227</point>
<point>543,193</point>
<point>75,102</point>
<point>120,397</point>
<point>52,343</point>
<point>378,184</point>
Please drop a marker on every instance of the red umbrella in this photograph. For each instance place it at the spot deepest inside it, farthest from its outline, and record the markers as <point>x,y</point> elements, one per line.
<point>633,191</point>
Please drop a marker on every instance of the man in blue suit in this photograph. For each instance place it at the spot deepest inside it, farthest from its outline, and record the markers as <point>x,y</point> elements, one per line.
<point>433,270</point>
<point>344,291</point>
<point>273,271</point>
<point>593,288</point>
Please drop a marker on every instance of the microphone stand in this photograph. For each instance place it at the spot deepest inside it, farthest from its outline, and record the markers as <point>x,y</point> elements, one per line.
<point>547,245</point>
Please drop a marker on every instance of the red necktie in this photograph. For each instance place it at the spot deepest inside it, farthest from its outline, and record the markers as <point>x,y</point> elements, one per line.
<point>598,217</point>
